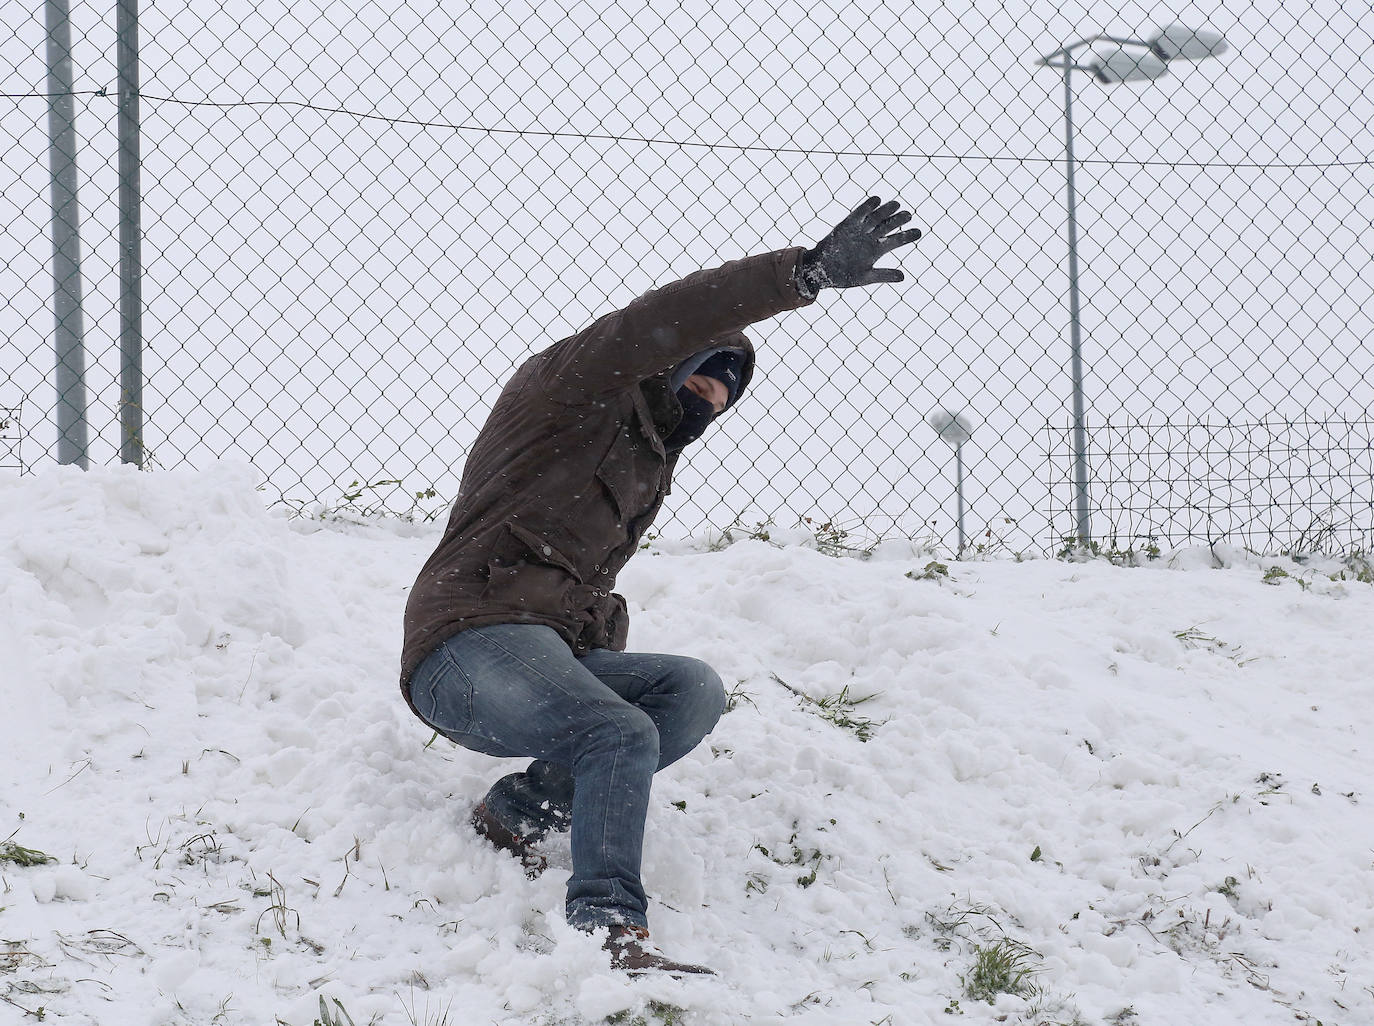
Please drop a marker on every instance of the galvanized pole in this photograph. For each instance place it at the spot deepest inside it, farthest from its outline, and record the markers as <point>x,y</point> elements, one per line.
<point>68,339</point>
<point>959,491</point>
<point>130,241</point>
<point>1080,441</point>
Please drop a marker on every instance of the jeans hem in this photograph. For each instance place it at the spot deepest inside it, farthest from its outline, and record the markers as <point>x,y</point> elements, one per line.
<point>591,920</point>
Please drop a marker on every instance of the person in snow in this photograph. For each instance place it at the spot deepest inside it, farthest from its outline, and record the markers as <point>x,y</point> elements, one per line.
<point>514,639</point>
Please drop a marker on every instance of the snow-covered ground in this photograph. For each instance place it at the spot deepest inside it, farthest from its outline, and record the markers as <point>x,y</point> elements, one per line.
<point>1148,785</point>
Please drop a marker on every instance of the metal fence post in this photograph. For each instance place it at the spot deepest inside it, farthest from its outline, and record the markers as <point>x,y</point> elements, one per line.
<point>1080,441</point>
<point>69,344</point>
<point>130,241</point>
<point>959,492</point>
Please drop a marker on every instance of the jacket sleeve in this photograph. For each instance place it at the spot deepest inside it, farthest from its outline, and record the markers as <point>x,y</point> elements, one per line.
<point>662,328</point>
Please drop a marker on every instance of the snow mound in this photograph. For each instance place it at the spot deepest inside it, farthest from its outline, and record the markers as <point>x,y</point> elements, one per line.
<point>1141,788</point>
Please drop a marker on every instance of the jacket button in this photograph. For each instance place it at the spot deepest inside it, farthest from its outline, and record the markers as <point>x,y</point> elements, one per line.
<point>546,550</point>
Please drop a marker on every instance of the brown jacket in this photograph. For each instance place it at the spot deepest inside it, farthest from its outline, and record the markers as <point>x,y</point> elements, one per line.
<point>570,470</point>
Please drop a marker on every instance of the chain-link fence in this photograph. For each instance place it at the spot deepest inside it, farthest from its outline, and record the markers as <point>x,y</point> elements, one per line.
<point>358,218</point>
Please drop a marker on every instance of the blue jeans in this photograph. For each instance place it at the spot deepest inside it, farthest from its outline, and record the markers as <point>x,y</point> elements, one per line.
<point>598,727</point>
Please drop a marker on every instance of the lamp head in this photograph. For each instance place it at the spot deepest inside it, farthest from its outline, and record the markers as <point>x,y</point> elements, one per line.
<point>1180,43</point>
<point>953,428</point>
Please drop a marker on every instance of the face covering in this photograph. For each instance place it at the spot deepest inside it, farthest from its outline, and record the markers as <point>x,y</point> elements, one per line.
<point>697,413</point>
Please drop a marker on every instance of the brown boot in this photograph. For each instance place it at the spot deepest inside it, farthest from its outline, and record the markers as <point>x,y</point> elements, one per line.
<point>631,950</point>
<point>494,831</point>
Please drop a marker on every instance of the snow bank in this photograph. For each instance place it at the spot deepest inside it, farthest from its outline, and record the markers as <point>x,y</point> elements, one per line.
<point>1147,785</point>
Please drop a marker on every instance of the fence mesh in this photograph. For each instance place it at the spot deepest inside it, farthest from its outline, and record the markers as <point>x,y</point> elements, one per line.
<point>358,218</point>
<point>1301,486</point>
<point>11,434</point>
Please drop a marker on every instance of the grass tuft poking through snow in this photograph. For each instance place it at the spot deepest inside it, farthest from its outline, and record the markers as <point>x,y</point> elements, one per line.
<point>18,855</point>
<point>1005,966</point>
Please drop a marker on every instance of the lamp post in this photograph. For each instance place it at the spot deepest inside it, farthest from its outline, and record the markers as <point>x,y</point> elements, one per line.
<point>1129,60</point>
<point>954,430</point>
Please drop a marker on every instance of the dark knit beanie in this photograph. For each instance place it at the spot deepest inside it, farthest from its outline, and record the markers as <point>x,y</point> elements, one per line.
<point>725,366</point>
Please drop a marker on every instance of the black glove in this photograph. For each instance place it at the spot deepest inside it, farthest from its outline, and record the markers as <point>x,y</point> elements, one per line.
<point>846,256</point>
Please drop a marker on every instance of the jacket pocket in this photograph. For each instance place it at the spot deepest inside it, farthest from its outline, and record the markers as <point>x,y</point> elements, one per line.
<point>540,550</point>
<point>528,574</point>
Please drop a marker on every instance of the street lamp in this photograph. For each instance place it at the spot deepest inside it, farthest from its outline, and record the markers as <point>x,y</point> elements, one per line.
<point>1129,60</point>
<point>954,430</point>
